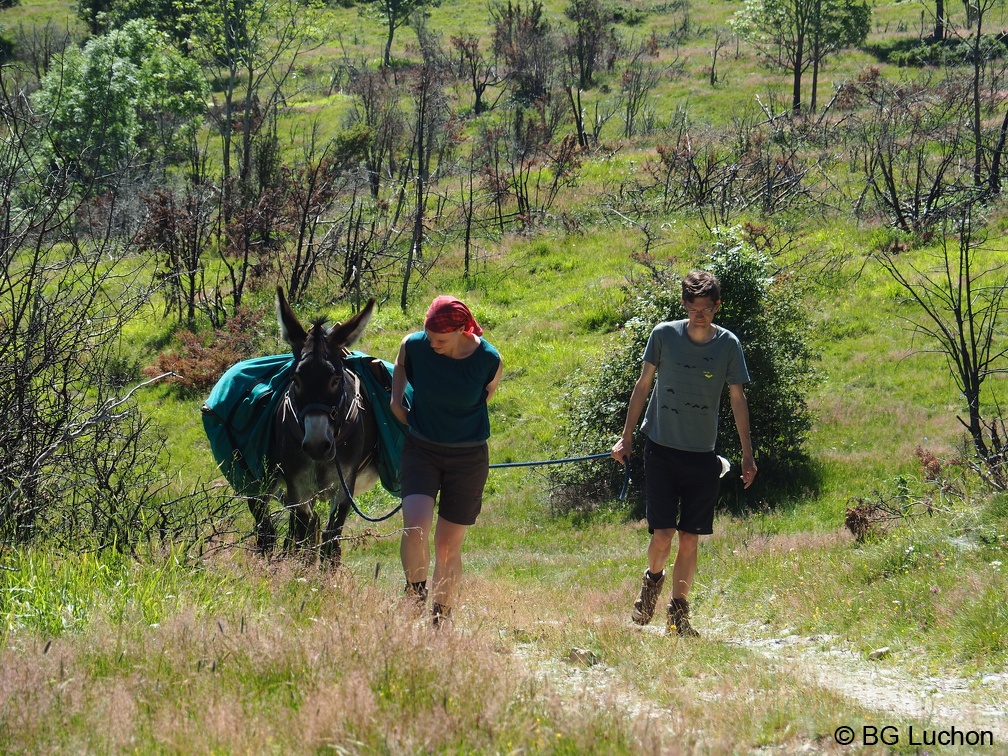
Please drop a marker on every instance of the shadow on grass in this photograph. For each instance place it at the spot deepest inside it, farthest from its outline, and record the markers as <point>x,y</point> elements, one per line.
<point>777,486</point>
<point>920,52</point>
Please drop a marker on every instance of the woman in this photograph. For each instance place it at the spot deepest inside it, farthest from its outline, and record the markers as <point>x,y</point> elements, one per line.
<point>454,372</point>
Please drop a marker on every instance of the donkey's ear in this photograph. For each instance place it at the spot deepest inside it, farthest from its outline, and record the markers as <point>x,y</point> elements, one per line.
<point>291,329</point>
<point>345,334</point>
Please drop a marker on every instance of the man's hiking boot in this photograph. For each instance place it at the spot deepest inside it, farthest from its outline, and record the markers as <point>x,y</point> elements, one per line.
<point>678,619</point>
<point>644,606</point>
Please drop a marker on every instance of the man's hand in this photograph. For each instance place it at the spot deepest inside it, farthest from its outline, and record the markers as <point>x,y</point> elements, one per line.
<point>621,450</point>
<point>748,470</point>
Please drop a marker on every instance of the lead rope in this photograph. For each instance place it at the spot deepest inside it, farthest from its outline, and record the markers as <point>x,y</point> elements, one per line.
<point>538,463</point>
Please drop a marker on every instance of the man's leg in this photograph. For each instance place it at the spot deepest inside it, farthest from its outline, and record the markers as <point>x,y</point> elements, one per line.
<point>683,572</point>
<point>685,565</point>
<point>659,549</point>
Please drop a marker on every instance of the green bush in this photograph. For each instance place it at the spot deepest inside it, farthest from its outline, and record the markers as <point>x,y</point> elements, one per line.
<point>764,309</point>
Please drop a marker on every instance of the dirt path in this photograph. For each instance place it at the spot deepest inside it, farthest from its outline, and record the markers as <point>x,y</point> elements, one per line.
<point>978,702</point>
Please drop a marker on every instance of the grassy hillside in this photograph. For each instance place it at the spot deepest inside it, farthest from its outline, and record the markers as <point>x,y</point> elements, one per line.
<point>240,654</point>
<point>232,653</point>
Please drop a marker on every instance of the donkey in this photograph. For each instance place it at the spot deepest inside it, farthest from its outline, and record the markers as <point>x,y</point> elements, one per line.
<point>325,441</point>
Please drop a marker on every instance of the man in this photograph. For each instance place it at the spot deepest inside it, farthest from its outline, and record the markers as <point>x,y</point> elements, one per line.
<point>688,362</point>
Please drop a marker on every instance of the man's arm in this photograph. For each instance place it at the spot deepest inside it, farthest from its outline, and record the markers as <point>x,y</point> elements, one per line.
<point>740,411</point>
<point>638,399</point>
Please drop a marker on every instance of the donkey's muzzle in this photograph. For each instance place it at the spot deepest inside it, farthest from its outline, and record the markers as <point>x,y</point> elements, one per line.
<point>318,442</point>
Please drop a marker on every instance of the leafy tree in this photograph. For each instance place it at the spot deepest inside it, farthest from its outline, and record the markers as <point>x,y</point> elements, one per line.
<point>395,14</point>
<point>523,41</point>
<point>837,25</point>
<point>593,32</point>
<point>93,13</point>
<point>177,18</point>
<point>127,98</point>
<point>763,307</point>
<point>797,34</point>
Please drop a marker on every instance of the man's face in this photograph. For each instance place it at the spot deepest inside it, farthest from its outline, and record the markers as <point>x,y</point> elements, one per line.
<point>701,310</point>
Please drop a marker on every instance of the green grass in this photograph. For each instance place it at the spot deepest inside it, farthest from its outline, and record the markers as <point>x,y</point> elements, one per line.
<point>234,653</point>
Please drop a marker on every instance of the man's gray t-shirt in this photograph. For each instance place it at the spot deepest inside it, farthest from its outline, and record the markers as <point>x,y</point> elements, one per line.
<point>689,381</point>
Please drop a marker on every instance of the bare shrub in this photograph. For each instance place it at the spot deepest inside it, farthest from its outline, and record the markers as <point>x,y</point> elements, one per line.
<point>199,361</point>
<point>80,467</point>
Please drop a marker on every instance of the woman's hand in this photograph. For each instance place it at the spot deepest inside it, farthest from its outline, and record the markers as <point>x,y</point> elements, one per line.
<point>400,412</point>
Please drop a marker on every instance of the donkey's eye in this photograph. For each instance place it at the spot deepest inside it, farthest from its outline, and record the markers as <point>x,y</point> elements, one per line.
<point>335,382</point>
<point>297,382</point>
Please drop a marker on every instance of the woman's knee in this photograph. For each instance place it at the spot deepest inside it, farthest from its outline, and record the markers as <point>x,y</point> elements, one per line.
<point>418,512</point>
<point>448,539</point>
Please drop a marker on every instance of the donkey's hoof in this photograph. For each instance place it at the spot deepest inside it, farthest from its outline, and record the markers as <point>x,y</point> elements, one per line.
<point>331,553</point>
<point>266,542</point>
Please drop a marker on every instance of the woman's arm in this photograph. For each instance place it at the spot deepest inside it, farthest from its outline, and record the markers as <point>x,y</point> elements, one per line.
<point>399,385</point>
<point>495,381</point>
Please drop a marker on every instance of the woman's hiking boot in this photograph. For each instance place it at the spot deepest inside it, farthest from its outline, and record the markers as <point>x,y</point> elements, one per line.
<point>416,596</point>
<point>440,615</point>
<point>678,618</point>
<point>647,600</point>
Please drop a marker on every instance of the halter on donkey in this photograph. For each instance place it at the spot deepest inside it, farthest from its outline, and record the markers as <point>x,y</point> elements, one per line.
<point>323,429</point>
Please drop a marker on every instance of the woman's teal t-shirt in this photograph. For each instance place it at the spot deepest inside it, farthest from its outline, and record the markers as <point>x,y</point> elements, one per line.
<point>449,396</point>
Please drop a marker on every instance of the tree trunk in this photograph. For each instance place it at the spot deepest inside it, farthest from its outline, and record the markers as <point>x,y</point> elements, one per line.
<point>796,85</point>
<point>388,45</point>
<point>977,132</point>
<point>994,181</point>
<point>578,113</point>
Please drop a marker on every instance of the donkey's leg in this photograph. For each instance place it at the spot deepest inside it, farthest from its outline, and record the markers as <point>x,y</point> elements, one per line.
<point>266,536</point>
<point>305,525</point>
<point>339,508</point>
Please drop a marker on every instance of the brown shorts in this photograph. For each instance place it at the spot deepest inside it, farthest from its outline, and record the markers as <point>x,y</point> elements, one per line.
<point>458,472</point>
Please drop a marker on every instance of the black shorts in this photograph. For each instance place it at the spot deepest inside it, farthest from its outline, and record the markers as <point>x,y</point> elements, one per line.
<point>458,472</point>
<point>681,488</point>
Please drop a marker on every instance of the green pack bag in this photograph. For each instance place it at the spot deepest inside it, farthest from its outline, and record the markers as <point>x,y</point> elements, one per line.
<point>376,378</point>
<point>238,417</point>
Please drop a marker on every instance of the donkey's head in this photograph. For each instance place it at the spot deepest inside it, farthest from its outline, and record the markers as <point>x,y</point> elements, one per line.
<point>318,395</point>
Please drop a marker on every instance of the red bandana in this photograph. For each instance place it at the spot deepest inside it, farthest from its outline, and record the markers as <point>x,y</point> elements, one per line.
<point>447,314</point>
